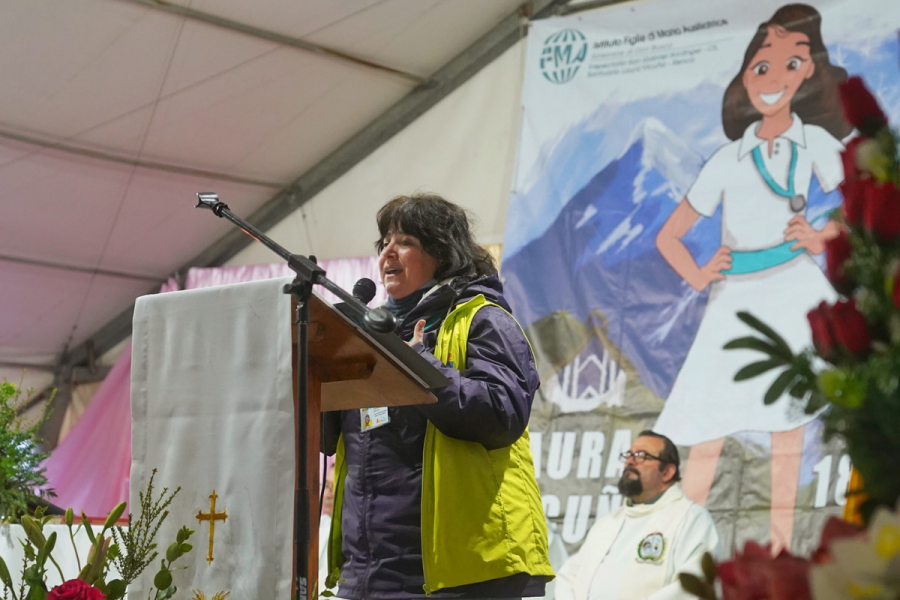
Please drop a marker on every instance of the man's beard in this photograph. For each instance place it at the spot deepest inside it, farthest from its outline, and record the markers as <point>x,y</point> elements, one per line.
<point>630,487</point>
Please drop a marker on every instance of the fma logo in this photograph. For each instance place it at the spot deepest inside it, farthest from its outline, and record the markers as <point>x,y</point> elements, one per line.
<point>563,54</point>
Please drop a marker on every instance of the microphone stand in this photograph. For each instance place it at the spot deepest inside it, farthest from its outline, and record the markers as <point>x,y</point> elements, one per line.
<point>377,320</point>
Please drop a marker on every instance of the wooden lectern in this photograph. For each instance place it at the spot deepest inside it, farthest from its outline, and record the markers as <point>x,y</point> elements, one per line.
<point>350,368</point>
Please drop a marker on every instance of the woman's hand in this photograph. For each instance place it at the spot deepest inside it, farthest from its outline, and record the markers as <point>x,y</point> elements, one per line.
<point>418,333</point>
<point>712,270</point>
<point>799,230</point>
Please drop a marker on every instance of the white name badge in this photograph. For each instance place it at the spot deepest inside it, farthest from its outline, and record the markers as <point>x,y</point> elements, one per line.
<point>373,418</point>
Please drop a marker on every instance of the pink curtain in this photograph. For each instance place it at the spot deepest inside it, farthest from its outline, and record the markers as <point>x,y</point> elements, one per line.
<point>90,469</point>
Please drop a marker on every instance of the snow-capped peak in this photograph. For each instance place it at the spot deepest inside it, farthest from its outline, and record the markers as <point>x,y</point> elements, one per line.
<point>666,152</point>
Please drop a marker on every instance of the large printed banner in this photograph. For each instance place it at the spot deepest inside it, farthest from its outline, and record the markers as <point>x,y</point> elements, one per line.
<point>679,162</point>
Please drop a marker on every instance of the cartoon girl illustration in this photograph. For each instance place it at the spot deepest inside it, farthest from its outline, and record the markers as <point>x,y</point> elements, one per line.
<point>783,115</point>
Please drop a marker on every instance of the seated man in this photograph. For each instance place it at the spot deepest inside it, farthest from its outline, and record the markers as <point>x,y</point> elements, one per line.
<point>637,551</point>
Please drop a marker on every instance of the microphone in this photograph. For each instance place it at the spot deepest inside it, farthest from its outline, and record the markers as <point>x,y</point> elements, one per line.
<point>364,290</point>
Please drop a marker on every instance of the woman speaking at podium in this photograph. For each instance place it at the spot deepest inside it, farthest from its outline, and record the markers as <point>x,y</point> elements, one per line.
<point>441,499</point>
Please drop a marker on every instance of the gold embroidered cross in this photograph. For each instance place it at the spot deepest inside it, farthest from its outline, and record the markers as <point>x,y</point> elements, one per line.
<point>212,516</point>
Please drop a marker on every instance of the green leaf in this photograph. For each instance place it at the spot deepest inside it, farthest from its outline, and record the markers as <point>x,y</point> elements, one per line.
<point>4,574</point>
<point>780,384</point>
<point>185,548</point>
<point>752,343</point>
<point>115,589</point>
<point>758,368</point>
<point>163,579</point>
<point>799,389</point>
<point>173,552</point>
<point>45,551</point>
<point>710,570</point>
<point>692,585</point>
<point>766,331</point>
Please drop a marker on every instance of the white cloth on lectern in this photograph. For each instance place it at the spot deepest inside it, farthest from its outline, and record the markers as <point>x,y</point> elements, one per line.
<point>212,409</point>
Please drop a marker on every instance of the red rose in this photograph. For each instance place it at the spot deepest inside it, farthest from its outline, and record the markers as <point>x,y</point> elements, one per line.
<point>743,577</point>
<point>822,330</point>
<point>881,209</point>
<point>837,251</point>
<point>789,578</point>
<point>75,589</point>
<point>853,191</point>
<point>850,327</point>
<point>860,107</point>
<point>754,575</point>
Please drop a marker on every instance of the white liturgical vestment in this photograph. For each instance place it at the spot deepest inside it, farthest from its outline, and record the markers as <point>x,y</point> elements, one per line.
<point>637,552</point>
<point>212,410</point>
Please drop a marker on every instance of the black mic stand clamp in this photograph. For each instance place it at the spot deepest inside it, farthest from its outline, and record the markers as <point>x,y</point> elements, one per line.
<point>378,320</point>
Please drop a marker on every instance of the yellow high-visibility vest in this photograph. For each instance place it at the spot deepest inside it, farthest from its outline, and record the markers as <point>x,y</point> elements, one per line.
<point>482,516</point>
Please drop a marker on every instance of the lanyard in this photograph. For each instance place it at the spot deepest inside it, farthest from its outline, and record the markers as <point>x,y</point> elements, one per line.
<point>797,201</point>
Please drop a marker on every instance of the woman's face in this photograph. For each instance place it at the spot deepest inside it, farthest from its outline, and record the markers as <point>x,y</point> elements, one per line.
<point>404,265</point>
<point>778,70</point>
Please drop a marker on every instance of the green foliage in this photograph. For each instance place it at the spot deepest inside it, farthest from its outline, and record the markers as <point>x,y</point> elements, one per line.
<point>163,578</point>
<point>20,459</point>
<point>131,550</point>
<point>138,545</point>
<point>863,400</point>
<point>37,551</point>
<point>798,378</point>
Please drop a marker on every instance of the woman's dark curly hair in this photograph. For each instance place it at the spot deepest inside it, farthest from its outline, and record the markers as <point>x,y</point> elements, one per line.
<point>817,101</point>
<point>443,230</point>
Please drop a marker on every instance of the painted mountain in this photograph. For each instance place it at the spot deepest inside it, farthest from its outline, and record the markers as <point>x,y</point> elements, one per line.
<point>599,254</point>
<point>568,163</point>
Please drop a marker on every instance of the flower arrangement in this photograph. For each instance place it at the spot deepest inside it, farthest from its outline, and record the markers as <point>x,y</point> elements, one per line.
<point>125,551</point>
<point>21,473</point>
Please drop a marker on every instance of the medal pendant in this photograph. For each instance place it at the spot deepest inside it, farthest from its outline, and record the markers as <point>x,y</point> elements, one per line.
<point>798,203</point>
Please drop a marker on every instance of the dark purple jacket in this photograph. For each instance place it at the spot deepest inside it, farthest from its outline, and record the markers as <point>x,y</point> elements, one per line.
<point>488,403</point>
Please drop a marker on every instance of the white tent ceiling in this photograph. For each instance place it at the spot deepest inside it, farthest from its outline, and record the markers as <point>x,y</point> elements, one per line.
<point>114,113</point>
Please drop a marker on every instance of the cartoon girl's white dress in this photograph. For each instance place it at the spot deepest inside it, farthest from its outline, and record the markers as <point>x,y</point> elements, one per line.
<point>759,194</point>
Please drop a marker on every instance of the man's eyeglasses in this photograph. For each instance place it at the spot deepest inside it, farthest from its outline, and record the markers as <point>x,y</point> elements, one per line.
<point>639,456</point>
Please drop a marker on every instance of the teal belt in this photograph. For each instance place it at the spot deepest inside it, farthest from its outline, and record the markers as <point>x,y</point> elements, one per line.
<point>752,261</point>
